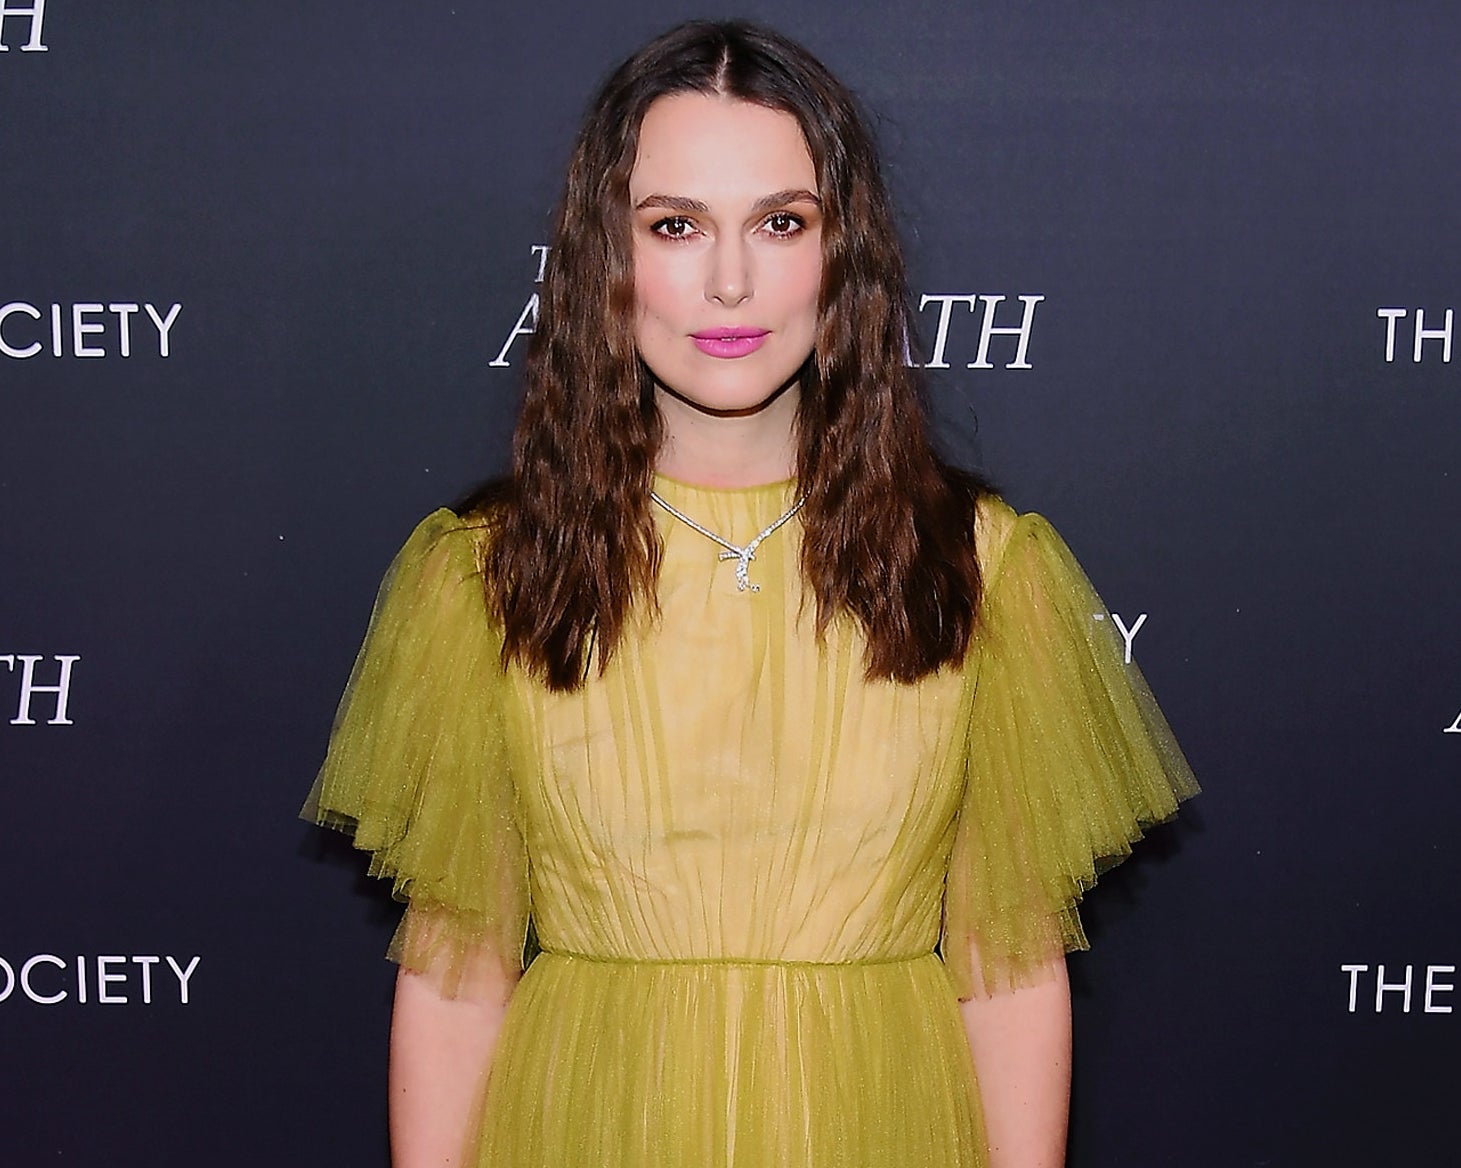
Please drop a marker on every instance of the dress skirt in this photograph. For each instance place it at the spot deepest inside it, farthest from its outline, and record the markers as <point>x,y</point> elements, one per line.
<point>680,1064</point>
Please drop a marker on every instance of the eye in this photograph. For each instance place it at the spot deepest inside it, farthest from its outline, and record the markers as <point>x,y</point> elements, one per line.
<point>784,224</point>
<point>675,227</point>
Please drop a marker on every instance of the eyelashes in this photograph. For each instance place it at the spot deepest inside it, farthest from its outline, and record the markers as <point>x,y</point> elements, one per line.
<point>778,224</point>
<point>787,224</point>
<point>790,224</point>
<point>674,227</point>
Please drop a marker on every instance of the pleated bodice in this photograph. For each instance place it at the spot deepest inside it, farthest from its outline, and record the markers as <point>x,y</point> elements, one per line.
<point>731,789</point>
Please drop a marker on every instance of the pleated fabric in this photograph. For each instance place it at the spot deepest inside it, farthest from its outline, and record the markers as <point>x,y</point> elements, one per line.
<point>732,1063</point>
<point>1069,759</point>
<point>418,766</point>
<point>761,883</point>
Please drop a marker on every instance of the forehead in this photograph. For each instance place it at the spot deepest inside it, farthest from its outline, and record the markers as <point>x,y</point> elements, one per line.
<point>707,146</point>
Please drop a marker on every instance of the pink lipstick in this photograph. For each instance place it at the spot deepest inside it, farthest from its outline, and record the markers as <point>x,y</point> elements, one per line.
<point>729,342</point>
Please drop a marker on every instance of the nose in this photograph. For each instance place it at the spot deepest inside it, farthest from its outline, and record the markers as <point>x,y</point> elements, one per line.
<point>728,281</point>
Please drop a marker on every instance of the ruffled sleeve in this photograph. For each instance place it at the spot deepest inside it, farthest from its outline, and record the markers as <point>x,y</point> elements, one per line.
<point>1069,760</point>
<point>417,769</point>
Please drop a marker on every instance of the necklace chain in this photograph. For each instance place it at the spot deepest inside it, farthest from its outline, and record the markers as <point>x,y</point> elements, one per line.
<point>742,555</point>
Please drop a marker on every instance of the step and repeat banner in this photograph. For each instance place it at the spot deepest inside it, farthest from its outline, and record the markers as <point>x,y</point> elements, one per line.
<point>1187,277</point>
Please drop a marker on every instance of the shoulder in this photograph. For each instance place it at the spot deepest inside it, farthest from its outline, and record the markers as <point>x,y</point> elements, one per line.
<point>995,522</point>
<point>437,576</point>
<point>1002,535</point>
<point>454,534</point>
<point>443,539</point>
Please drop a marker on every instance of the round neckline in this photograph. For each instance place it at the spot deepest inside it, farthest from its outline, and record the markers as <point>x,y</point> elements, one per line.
<point>777,486</point>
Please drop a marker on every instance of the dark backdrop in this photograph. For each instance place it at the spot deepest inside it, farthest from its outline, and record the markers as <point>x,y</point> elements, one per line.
<point>1235,216</point>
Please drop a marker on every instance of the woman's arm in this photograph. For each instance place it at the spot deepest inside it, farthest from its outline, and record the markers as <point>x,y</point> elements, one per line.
<point>1021,1041</point>
<point>441,1050</point>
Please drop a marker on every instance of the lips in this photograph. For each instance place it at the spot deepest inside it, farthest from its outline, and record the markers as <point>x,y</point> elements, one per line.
<point>729,342</point>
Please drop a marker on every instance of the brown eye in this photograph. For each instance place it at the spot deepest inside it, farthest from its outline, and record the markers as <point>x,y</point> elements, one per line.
<point>675,227</point>
<point>784,223</point>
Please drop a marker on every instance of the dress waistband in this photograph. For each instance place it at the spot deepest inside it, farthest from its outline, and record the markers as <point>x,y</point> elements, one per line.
<point>609,959</point>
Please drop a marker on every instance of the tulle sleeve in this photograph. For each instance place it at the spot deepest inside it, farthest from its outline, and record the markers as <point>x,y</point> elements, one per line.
<point>1069,760</point>
<point>417,769</point>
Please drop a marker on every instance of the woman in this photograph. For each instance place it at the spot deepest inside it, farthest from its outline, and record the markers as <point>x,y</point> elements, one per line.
<point>796,746</point>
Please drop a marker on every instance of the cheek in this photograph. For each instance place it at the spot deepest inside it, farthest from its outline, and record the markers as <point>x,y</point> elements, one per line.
<point>658,284</point>
<point>801,283</point>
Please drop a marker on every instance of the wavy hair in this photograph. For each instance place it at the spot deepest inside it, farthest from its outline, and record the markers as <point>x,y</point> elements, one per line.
<point>887,527</point>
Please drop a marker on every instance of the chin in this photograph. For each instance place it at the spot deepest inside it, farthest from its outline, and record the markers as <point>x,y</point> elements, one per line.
<point>748,397</point>
<point>719,386</point>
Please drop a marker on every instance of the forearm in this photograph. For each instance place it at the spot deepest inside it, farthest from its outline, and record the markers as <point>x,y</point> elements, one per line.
<point>441,1051</point>
<point>1021,1040</point>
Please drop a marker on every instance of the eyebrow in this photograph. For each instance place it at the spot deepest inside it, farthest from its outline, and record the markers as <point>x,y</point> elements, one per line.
<point>764,203</point>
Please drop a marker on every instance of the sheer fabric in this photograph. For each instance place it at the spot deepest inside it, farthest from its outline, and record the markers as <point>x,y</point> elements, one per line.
<point>756,877</point>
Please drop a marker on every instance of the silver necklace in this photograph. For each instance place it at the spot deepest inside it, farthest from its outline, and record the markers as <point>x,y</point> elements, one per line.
<point>742,555</point>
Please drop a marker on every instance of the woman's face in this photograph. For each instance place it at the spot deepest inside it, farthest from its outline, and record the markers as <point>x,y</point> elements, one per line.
<point>727,232</point>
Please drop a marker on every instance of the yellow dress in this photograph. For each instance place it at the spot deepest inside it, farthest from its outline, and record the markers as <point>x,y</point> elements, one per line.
<point>755,876</point>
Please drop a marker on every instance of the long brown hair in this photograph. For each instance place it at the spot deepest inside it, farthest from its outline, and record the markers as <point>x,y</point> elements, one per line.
<point>887,528</point>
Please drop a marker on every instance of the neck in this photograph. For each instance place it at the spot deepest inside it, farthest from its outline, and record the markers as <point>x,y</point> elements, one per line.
<point>728,450</point>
